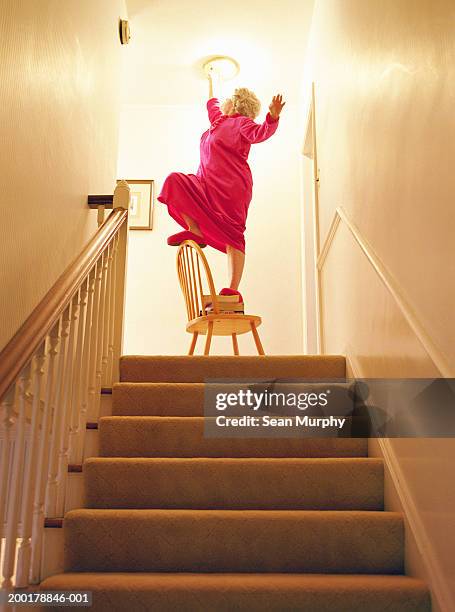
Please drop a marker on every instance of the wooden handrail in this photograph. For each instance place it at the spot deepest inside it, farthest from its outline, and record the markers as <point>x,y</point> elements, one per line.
<point>27,339</point>
<point>392,285</point>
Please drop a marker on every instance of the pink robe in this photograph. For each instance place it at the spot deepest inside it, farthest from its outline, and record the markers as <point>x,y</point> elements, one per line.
<point>218,195</point>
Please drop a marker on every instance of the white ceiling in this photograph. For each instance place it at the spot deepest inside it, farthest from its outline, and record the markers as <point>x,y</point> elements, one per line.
<point>171,37</point>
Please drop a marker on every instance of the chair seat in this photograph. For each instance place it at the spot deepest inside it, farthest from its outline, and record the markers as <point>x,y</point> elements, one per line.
<point>223,324</point>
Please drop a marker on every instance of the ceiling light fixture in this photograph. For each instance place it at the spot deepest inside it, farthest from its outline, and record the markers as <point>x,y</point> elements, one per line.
<point>222,65</point>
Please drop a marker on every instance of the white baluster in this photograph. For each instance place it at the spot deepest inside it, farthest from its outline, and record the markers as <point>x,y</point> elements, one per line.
<point>100,328</point>
<point>105,382</point>
<point>42,466</point>
<point>7,422</point>
<point>58,418</point>
<point>66,407</point>
<point>30,475</point>
<point>12,531</point>
<point>99,350</point>
<point>76,430</point>
<point>85,366</point>
<point>94,341</point>
<point>112,312</point>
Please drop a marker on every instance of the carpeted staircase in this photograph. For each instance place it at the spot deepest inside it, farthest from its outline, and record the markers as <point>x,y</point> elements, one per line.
<point>178,522</point>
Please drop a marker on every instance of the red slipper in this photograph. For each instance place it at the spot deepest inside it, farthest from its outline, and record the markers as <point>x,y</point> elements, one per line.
<point>228,291</point>
<point>177,239</point>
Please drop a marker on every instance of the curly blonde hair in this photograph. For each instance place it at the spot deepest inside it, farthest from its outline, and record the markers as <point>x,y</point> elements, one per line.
<point>242,101</point>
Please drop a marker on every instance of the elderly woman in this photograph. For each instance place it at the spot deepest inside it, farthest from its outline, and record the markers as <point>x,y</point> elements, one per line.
<point>212,205</point>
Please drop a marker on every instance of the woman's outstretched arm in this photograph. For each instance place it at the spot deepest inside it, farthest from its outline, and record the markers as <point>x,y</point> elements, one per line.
<point>213,106</point>
<point>258,132</point>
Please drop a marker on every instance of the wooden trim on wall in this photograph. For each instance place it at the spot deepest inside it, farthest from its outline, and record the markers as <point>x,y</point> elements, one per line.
<point>401,498</point>
<point>392,285</point>
<point>428,557</point>
<point>310,150</point>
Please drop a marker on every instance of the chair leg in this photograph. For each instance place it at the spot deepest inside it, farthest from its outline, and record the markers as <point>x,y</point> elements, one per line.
<point>235,344</point>
<point>193,343</point>
<point>256,339</point>
<point>209,338</point>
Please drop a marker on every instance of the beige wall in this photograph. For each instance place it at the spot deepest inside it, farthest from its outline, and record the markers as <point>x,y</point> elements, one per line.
<point>384,79</point>
<point>157,140</point>
<point>385,84</point>
<point>59,105</point>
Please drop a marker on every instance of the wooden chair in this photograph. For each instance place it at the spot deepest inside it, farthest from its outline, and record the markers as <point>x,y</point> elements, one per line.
<point>196,281</point>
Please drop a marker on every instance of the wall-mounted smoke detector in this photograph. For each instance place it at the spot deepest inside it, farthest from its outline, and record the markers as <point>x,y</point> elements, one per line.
<point>124,31</point>
<point>223,66</point>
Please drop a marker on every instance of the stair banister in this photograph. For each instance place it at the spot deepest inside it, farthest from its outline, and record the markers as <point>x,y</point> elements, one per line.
<point>51,374</point>
<point>20,349</point>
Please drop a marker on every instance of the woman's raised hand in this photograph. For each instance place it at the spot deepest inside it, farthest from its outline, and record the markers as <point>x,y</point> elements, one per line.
<point>214,81</point>
<point>276,106</point>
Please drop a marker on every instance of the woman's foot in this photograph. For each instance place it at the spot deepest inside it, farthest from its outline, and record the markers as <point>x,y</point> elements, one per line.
<point>229,291</point>
<point>177,239</point>
<point>226,291</point>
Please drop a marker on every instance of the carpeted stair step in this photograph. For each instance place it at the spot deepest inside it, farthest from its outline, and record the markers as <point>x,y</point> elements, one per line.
<point>164,368</point>
<point>234,541</point>
<point>184,437</point>
<point>167,592</point>
<point>280,484</point>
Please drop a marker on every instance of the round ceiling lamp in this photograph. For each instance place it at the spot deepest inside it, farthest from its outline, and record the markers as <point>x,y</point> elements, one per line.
<point>222,65</point>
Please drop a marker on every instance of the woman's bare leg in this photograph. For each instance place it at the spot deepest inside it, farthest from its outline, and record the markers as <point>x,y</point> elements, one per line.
<point>192,225</point>
<point>236,262</point>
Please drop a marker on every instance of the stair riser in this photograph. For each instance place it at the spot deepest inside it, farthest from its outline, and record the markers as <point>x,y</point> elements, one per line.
<point>199,368</point>
<point>187,399</point>
<point>104,408</point>
<point>74,497</point>
<point>184,437</point>
<point>301,484</point>
<point>52,559</point>
<point>158,399</point>
<point>223,541</point>
<point>91,443</point>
